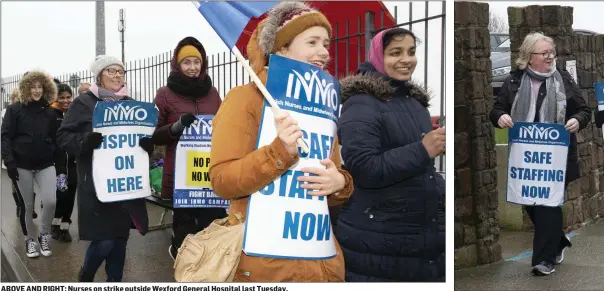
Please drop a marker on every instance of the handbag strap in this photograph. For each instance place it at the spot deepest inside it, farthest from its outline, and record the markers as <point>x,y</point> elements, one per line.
<point>238,216</point>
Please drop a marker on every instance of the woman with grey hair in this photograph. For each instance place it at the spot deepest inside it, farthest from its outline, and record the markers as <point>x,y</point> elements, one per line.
<point>106,225</point>
<point>529,94</point>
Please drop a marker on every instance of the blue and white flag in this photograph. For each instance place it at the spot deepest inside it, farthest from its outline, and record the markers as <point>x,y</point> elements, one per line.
<point>537,164</point>
<point>192,187</point>
<point>283,220</point>
<point>120,167</point>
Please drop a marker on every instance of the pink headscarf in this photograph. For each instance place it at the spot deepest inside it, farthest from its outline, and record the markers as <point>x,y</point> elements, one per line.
<point>376,53</point>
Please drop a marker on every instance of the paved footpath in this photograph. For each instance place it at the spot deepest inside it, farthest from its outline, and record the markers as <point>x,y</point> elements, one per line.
<point>147,258</point>
<point>582,269</point>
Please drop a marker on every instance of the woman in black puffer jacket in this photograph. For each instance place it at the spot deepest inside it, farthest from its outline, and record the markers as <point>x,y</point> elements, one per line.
<point>393,227</point>
<point>28,148</point>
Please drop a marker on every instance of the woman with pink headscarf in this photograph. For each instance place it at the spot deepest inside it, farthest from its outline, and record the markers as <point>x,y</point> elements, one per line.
<point>393,227</point>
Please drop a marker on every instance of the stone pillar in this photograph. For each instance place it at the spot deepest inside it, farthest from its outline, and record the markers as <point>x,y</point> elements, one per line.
<point>476,217</point>
<point>584,196</point>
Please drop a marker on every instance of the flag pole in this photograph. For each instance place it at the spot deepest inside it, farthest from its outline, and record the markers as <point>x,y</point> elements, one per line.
<point>275,108</point>
<point>267,95</point>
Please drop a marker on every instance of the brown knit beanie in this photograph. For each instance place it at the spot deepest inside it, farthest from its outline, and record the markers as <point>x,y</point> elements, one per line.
<point>282,24</point>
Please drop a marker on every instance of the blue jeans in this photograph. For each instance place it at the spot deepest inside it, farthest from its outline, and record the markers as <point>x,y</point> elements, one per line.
<point>113,252</point>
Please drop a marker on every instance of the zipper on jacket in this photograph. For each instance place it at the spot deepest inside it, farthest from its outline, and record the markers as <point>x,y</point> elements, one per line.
<point>195,104</point>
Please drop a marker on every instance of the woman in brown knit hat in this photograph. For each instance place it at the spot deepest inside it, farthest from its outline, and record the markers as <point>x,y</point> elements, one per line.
<point>295,31</point>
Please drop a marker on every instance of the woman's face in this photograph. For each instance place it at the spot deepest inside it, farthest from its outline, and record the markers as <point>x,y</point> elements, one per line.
<point>64,100</point>
<point>399,57</point>
<point>191,67</point>
<point>542,57</point>
<point>36,91</point>
<point>310,46</point>
<point>112,78</point>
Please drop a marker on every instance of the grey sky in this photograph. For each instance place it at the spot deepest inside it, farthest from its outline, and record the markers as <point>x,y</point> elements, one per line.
<point>586,15</point>
<point>63,41</point>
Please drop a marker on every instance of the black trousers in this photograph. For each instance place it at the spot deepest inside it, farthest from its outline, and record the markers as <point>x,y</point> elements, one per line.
<point>549,238</point>
<point>65,201</point>
<point>192,220</point>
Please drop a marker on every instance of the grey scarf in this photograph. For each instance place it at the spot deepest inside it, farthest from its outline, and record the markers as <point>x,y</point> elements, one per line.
<point>553,108</point>
<point>106,95</point>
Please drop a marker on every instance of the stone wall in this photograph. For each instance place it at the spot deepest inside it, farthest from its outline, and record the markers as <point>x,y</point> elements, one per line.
<point>476,217</point>
<point>585,200</point>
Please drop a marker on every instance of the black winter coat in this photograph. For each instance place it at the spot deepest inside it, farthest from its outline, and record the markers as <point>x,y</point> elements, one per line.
<point>393,226</point>
<point>575,108</point>
<point>29,135</point>
<point>96,220</point>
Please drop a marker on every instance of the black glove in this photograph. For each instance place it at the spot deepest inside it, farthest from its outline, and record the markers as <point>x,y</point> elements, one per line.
<point>599,118</point>
<point>187,119</point>
<point>184,121</point>
<point>13,174</point>
<point>92,141</point>
<point>146,144</point>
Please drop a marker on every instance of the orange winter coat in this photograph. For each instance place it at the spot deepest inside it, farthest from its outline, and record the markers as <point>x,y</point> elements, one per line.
<point>238,170</point>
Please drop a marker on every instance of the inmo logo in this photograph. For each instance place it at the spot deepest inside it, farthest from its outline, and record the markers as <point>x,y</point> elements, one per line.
<point>200,126</point>
<point>120,112</point>
<point>323,92</point>
<point>542,133</point>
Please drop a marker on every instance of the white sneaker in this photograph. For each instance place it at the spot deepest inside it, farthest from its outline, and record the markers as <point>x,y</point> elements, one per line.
<point>31,248</point>
<point>560,255</point>
<point>44,240</point>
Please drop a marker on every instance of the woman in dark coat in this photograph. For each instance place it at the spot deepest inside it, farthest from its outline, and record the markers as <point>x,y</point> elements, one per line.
<point>189,92</point>
<point>105,225</point>
<point>393,227</point>
<point>530,94</point>
<point>28,149</point>
<point>66,173</point>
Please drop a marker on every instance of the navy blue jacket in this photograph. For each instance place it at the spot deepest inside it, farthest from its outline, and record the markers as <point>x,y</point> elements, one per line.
<point>393,226</point>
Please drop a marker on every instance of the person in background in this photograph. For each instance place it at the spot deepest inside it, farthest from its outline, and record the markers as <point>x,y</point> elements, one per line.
<point>84,86</point>
<point>599,117</point>
<point>105,225</point>
<point>292,30</point>
<point>28,149</point>
<point>189,92</point>
<point>14,97</point>
<point>66,174</point>
<point>531,93</point>
<point>393,226</point>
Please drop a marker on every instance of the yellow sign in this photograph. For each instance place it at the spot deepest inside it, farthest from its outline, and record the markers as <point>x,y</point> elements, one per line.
<point>198,169</point>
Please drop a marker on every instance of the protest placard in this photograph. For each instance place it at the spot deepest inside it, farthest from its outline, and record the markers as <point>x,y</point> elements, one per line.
<point>537,163</point>
<point>192,187</point>
<point>120,167</point>
<point>599,89</point>
<point>283,220</point>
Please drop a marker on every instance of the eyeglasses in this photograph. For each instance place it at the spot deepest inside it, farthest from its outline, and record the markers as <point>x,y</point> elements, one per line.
<point>113,71</point>
<point>551,54</point>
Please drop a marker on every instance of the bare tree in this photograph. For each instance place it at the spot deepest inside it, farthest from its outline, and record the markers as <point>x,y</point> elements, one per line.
<point>497,23</point>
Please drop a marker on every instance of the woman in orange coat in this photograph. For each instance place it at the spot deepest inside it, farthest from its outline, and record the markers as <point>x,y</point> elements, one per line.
<point>238,169</point>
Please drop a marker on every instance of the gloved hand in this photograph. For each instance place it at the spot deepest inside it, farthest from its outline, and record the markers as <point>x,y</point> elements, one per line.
<point>92,141</point>
<point>13,174</point>
<point>62,182</point>
<point>146,144</point>
<point>599,118</point>
<point>184,121</point>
